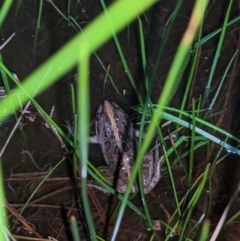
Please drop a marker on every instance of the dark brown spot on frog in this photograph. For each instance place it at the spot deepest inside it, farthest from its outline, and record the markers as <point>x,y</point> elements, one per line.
<point>127,176</point>
<point>98,129</point>
<point>130,138</point>
<point>125,148</point>
<point>121,135</point>
<point>116,118</point>
<point>107,145</point>
<point>108,119</point>
<point>111,165</point>
<point>116,150</point>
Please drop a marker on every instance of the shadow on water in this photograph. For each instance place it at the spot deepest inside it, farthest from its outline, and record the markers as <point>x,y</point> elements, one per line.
<point>33,149</point>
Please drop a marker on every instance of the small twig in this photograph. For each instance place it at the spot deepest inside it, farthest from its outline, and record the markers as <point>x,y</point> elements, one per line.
<point>6,42</point>
<point>22,220</point>
<point>52,194</point>
<point>224,215</point>
<point>14,129</point>
<point>51,112</point>
<point>35,176</point>
<point>97,205</point>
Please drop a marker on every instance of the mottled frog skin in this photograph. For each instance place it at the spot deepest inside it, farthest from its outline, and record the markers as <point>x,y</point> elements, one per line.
<point>117,138</point>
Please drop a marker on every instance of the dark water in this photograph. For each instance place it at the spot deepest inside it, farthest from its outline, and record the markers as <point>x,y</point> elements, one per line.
<point>34,141</point>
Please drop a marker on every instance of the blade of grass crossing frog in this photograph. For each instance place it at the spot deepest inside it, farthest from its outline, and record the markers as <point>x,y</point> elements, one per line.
<point>187,39</point>
<point>93,173</point>
<point>144,64</point>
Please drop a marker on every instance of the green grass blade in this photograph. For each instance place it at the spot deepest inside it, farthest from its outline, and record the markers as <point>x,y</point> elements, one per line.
<point>202,132</point>
<point>69,11</point>
<point>216,57</point>
<point>41,183</point>
<point>144,66</point>
<point>214,33</point>
<point>190,170</point>
<point>3,213</point>
<point>179,76</point>
<point>194,200</point>
<point>74,229</point>
<point>172,182</point>
<point>37,28</point>
<point>233,218</point>
<point>205,231</point>
<point>222,80</point>
<point>83,130</point>
<point>4,10</point>
<point>202,122</point>
<point>119,196</point>
<point>192,71</point>
<point>143,54</point>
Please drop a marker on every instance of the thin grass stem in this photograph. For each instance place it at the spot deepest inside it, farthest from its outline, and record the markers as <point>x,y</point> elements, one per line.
<point>3,213</point>
<point>193,201</point>
<point>192,71</point>
<point>74,228</point>
<point>217,54</point>
<point>222,80</point>
<point>83,130</point>
<point>41,183</point>
<point>38,25</point>
<point>190,170</point>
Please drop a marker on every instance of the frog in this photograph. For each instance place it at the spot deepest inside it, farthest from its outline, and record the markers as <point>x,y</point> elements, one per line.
<point>117,138</point>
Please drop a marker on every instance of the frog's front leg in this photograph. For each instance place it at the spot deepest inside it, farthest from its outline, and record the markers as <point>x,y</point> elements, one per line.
<point>93,139</point>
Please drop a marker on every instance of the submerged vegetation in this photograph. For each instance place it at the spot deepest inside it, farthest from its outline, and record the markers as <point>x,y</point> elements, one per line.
<point>178,80</point>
